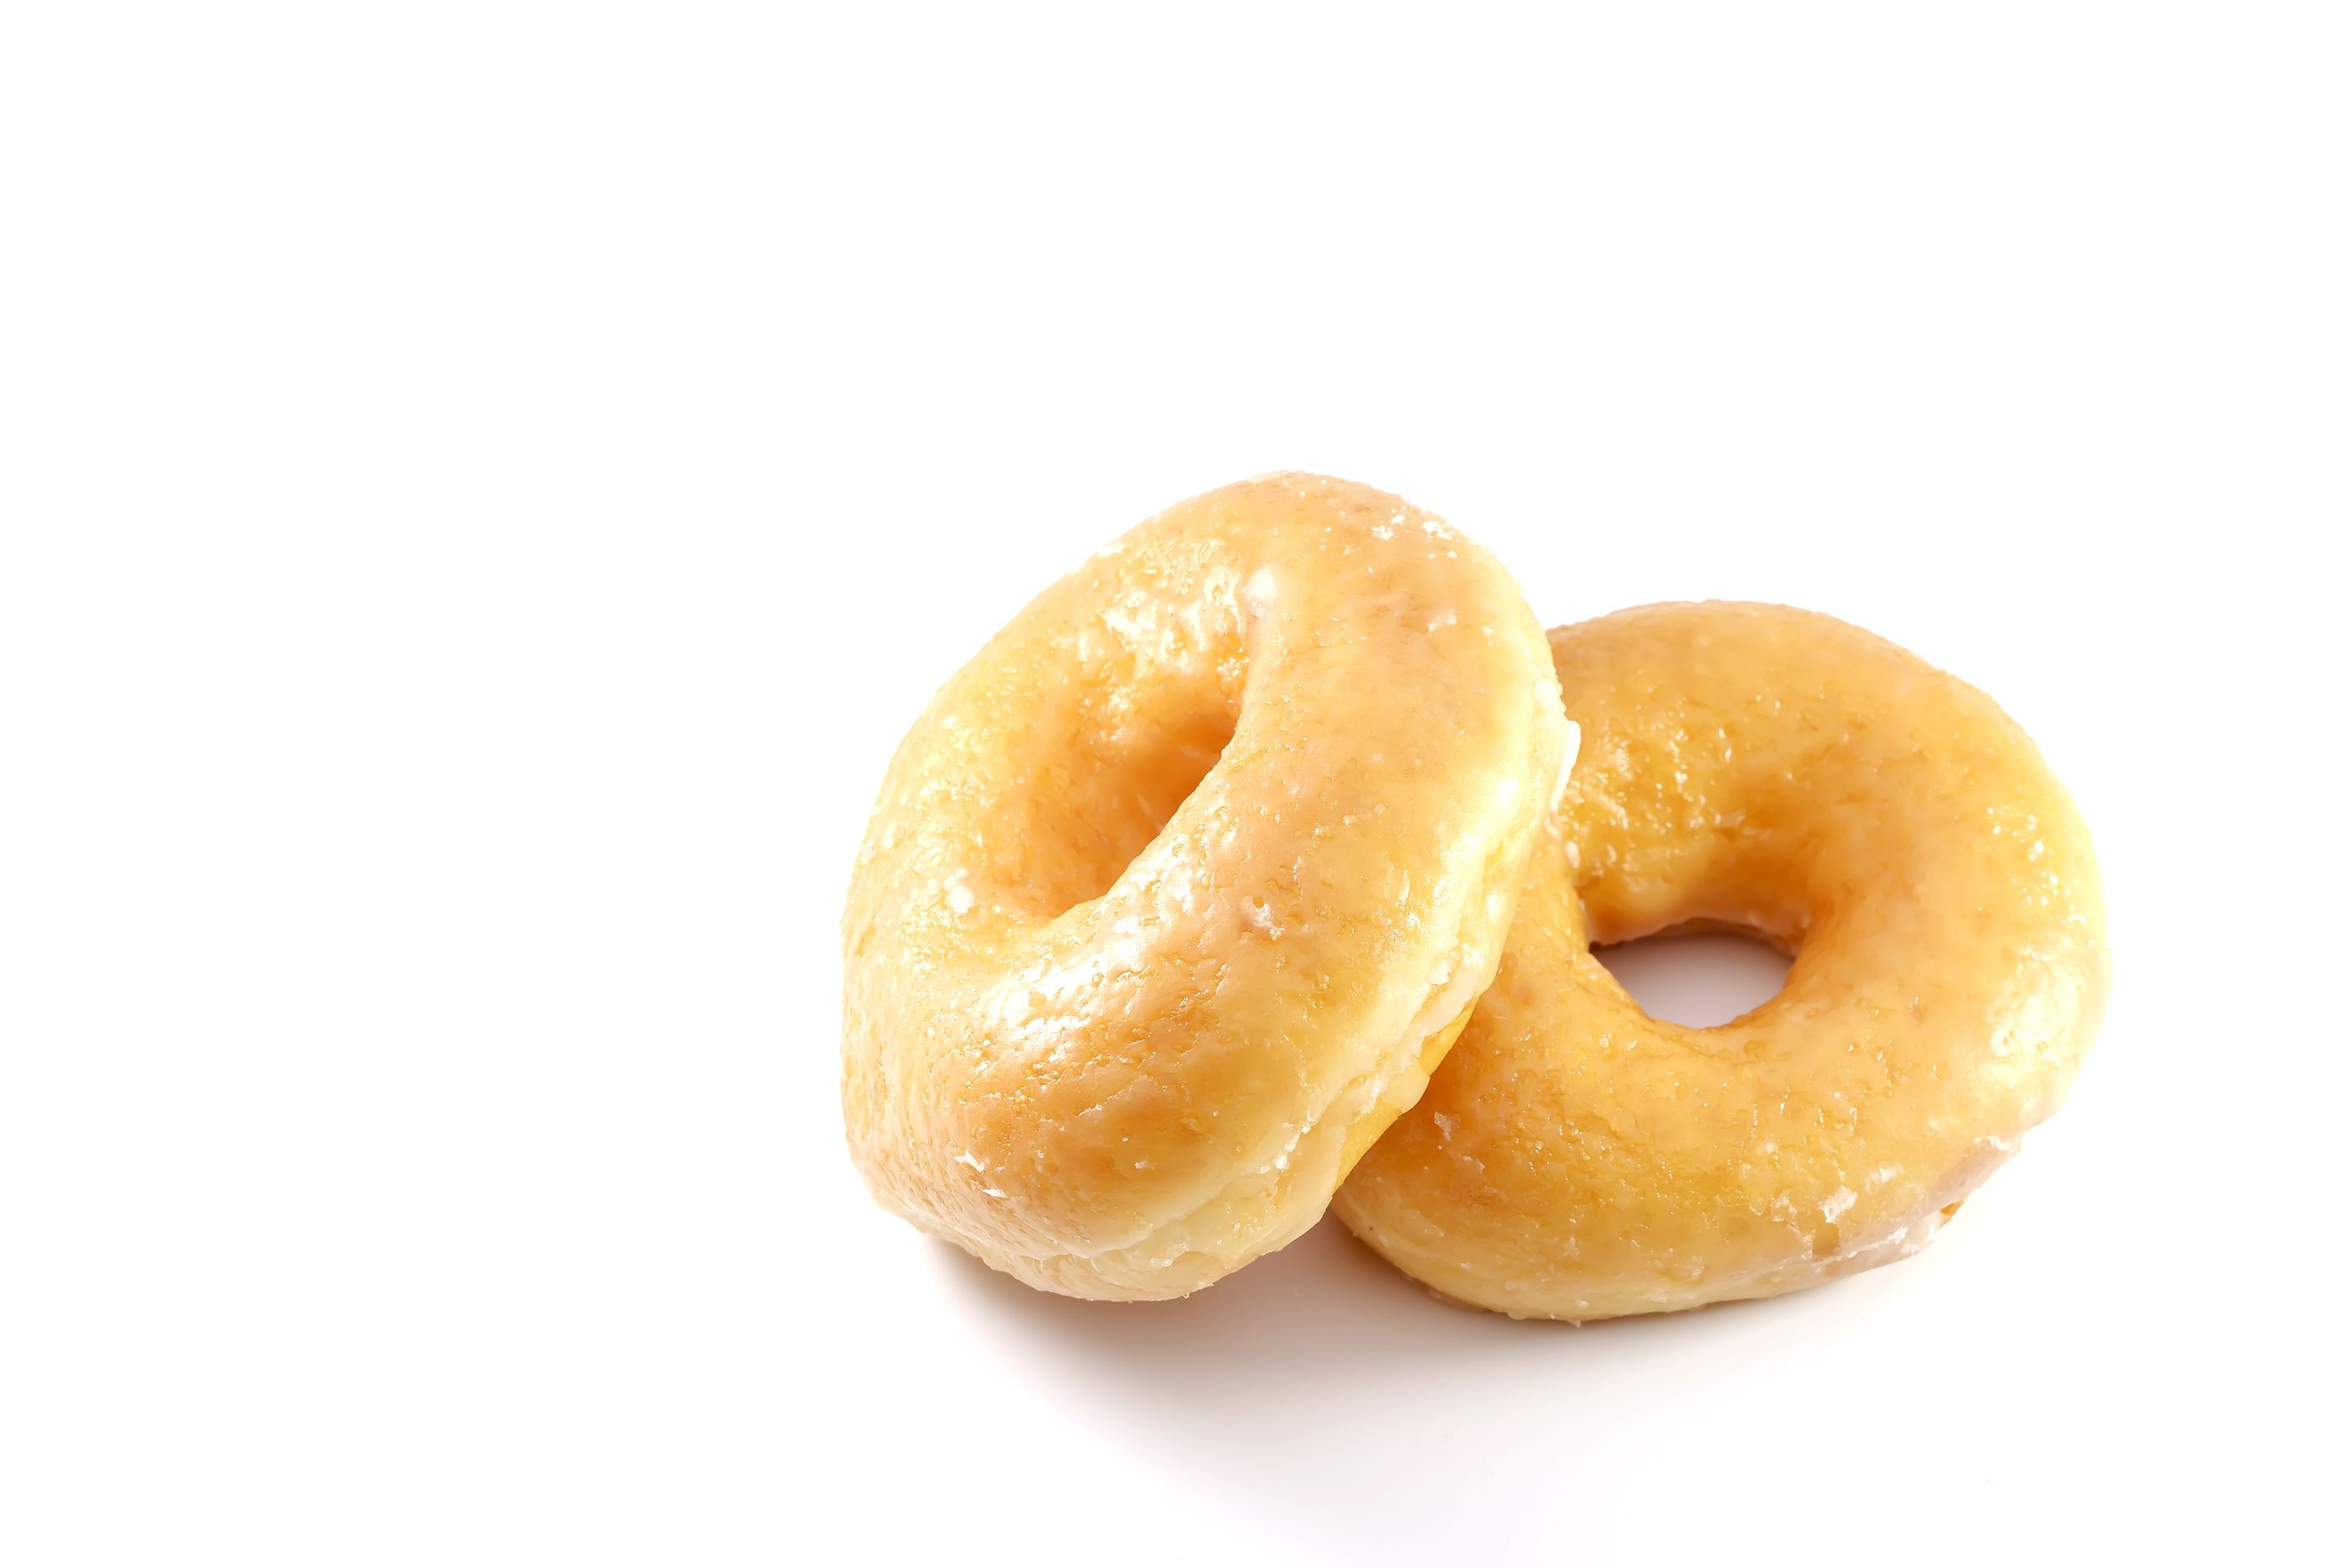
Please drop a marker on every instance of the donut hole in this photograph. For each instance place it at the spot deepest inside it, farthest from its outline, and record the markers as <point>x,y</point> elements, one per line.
<point>1116,796</point>
<point>1699,979</point>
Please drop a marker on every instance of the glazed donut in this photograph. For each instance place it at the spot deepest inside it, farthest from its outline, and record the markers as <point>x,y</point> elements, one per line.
<point>1177,891</point>
<point>1779,772</point>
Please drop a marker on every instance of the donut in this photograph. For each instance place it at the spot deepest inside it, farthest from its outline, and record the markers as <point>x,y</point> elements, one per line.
<point>1176,892</point>
<point>1775,771</point>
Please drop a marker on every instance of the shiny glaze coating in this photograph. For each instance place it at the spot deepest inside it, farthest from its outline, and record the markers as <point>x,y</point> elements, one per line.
<point>1778,771</point>
<point>1177,891</point>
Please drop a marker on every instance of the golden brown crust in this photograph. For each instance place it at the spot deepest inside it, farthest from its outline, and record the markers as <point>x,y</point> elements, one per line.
<point>1172,890</point>
<point>1777,771</point>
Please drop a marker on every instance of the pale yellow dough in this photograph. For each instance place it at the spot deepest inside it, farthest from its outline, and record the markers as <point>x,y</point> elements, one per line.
<point>1781,772</point>
<point>1177,891</point>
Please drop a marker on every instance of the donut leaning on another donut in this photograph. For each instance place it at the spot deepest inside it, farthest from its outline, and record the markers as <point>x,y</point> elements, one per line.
<point>1781,772</point>
<point>1177,890</point>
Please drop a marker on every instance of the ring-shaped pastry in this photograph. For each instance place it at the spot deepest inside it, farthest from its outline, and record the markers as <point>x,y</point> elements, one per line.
<point>1177,891</point>
<point>1779,772</point>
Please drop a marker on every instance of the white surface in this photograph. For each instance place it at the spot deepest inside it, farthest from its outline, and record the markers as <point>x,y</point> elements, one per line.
<point>483,488</point>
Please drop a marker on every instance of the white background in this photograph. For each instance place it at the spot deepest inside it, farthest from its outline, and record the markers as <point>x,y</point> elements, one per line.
<point>484,487</point>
